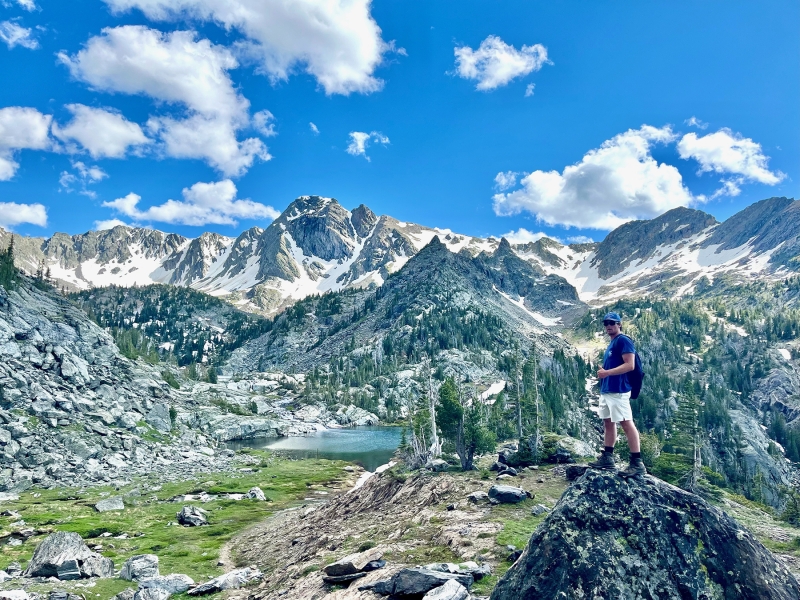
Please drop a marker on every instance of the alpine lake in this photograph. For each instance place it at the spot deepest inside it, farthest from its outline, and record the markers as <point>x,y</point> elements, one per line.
<point>369,447</point>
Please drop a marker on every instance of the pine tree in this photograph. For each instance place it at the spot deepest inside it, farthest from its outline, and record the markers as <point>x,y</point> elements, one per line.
<point>687,432</point>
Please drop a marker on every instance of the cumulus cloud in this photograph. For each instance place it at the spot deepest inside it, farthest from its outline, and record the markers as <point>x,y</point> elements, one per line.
<point>16,35</point>
<point>314,129</point>
<point>337,41</point>
<point>360,140</point>
<point>529,90</point>
<point>177,69</point>
<point>13,214</point>
<point>264,123</point>
<point>729,154</point>
<point>695,122</point>
<point>523,236</point>
<point>83,176</point>
<point>495,63</point>
<point>21,128</point>
<point>612,184</point>
<point>104,133</point>
<point>109,224</point>
<point>28,5</point>
<point>203,203</point>
<point>505,180</point>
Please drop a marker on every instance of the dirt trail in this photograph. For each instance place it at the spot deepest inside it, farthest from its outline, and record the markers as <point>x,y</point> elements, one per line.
<point>404,517</point>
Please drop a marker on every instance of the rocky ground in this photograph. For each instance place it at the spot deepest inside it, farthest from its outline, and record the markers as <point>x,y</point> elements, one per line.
<point>72,408</point>
<point>184,524</point>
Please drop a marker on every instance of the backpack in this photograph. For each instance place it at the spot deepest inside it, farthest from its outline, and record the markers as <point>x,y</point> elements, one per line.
<point>636,376</point>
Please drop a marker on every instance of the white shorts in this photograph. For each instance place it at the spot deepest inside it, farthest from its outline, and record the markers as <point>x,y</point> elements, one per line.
<point>616,407</point>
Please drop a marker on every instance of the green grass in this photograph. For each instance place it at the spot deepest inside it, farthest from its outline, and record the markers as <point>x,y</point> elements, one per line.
<point>190,550</point>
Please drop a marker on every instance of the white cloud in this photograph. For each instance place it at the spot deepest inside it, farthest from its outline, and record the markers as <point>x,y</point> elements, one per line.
<point>109,224</point>
<point>21,128</point>
<point>336,41</point>
<point>28,5</point>
<point>728,153</point>
<point>86,175</point>
<point>12,214</point>
<point>523,236</point>
<point>495,63</point>
<point>264,123</point>
<point>695,122</point>
<point>360,140</point>
<point>529,90</point>
<point>313,128</point>
<point>580,239</point>
<point>16,35</point>
<point>176,68</point>
<point>610,185</point>
<point>104,133</point>
<point>203,203</point>
<point>505,180</point>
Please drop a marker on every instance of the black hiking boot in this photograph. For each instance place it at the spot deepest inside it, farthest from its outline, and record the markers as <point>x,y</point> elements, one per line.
<point>606,462</point>
<point>635,469</point>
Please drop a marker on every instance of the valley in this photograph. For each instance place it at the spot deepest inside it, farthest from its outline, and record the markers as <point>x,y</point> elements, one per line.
<point>158,382</point>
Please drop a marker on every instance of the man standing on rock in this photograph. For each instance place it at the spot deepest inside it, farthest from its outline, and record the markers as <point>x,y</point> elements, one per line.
<point>615,398</point>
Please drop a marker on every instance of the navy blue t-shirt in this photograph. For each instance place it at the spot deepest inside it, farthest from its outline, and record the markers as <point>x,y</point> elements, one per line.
<point>616,384</point>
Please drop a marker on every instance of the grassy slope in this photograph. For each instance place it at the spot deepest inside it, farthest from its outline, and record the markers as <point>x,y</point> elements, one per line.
<point>190,550</point>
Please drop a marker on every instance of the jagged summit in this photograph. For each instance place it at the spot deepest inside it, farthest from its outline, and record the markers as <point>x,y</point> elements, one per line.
<point>642,539</point>
<point>316,245</point>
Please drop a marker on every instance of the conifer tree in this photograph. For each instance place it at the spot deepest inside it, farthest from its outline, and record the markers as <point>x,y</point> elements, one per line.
<point>687,432</point>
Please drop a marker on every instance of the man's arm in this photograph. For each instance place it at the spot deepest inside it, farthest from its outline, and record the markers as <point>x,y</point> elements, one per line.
<point>627,365</point>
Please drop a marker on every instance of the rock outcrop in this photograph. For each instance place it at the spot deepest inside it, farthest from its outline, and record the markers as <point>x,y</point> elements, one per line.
<point>65,555</point>
<point>642,539</point>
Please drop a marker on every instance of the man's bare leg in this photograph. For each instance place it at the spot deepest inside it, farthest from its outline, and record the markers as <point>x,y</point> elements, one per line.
<point>629,427</point>
<point>610,437</point>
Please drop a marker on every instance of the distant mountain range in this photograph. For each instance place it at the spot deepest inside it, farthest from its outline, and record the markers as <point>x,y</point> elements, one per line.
<point>316,246</point>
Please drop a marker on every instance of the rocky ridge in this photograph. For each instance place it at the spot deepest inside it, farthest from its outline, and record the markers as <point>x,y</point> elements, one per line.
<point>316,245</point>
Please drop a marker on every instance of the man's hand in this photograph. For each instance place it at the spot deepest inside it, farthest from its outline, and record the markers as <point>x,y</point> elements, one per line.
<point>602,373</point>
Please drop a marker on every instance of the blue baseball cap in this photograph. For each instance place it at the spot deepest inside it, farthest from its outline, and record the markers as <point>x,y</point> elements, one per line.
<point>612,316</point>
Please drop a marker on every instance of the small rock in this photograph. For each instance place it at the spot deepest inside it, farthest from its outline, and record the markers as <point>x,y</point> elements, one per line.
<point>126,594</point>
<point>255,493</point>
<point>173,584</point>
<point>353,563</point>
<point>141,566</point>
<point>14,569</point>
<point>374,565</point>
<point>506,494</point>
<point>14,595</point>
<point>339,579</point>
<point>416,582</point>
<point>151,594</point>
<point>539,509</point>
<point>192,516</point>
<point>451,590</point>
<point>97,566</point>
<point>229,581</point>
<point>478,497</point>
<point>108,504</point>
<point>437,465</point>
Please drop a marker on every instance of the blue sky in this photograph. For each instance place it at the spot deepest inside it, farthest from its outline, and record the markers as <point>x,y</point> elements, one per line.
<point>484,117</point>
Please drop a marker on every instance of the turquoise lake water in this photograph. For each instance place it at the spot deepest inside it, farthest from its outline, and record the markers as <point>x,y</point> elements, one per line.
<point>370,447</point>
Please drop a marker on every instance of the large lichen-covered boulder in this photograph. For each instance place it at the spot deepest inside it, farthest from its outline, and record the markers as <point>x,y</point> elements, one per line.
<point>642,539</point>
<point>65,555</point>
